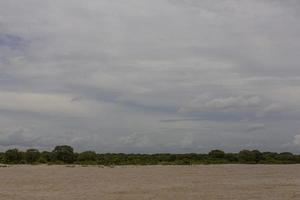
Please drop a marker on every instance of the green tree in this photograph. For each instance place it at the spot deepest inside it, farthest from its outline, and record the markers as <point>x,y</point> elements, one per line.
<point>45,157</point>
<point>286,157</point>
<point>32,155</point>
<point>63,153</point>
<point>258,156</point>
<point>13,156</point>
<point>232,157</point>
<point>1,157</point>
<point>87,156</point>
<point>217,154</point>
<point>246,156</point>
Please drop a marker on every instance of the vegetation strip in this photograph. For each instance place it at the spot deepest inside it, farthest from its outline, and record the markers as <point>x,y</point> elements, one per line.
<point>65,155</point>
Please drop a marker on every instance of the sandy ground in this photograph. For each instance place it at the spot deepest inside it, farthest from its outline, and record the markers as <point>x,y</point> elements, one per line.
<point>232,182</point>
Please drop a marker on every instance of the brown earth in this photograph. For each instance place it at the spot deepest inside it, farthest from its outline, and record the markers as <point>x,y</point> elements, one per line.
<point>207,182</point>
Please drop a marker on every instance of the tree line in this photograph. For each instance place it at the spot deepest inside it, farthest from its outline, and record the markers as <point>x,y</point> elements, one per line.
<point>65,154</point>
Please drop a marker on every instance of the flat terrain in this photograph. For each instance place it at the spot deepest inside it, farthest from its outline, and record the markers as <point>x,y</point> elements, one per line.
<point>232,182</point>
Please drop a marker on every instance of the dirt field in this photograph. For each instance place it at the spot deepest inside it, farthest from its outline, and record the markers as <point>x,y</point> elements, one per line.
<point>232,182</point>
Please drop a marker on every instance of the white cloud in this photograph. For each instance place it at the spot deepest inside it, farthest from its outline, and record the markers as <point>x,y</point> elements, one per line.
<point>296,140</point>
<point>124,67</point>
<point>233,102</point>
<point>220,104</point>
<point>46,103</point>
<point>255,127</point>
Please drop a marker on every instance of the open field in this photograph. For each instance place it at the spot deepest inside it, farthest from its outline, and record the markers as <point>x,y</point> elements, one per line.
<point>232,182</point>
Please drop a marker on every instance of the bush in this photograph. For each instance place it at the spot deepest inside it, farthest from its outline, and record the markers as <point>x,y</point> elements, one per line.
<point>1,157</point>
<point>246,156</point>
<point>63,153</point>
<point>87,156</point>
<point>258,156</point>
<point>32,155</point>
<point>217,154</point>
<point>12,156</point>
<point>286,157</point>
<point>232,157</point>
<point>46,157</point>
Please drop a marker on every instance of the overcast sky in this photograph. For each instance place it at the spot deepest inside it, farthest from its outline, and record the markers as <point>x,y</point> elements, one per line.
<point>150,75</point>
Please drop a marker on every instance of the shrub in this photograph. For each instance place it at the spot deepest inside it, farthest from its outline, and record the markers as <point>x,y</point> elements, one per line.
<point>13,156</point>
<point>87,156</point>
<point>32,155</point>
<point>217,154</point>
<point>63,153</point>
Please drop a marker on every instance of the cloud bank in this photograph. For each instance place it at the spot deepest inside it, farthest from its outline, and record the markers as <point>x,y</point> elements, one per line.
<point>150,76</point>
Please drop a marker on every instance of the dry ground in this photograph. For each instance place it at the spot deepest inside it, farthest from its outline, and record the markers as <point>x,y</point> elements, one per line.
<point>226,182</point>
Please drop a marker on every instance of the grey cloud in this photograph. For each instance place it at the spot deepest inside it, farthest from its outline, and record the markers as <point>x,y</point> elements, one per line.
<point>107,69</point>
<point>296,140</point>
<point>224,103</point>
<point>19,137</point>
<point>255,127</point>
<point>11,41</point>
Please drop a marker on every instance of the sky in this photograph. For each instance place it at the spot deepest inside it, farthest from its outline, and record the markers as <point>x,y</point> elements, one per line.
<point>148,76</point>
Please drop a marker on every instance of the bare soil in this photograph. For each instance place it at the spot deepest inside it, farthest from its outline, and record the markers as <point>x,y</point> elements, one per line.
<point>207,182</point>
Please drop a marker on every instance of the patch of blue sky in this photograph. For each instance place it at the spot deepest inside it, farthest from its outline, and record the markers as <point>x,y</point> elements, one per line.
<point>11,41</point>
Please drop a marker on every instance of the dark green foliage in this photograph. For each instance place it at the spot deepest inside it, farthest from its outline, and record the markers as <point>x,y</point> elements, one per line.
<point>45,157</point>
<point>258,156</point>
<point>12,156</point>
<point>217,154</point>
<point>22,162</point>
<point>1,157</point>
<point>232,157</point>
<point>87,156</point>
<point>32,155</point>
<point>286,157</point>
<point>246,156</point>
<point>65,154</point>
